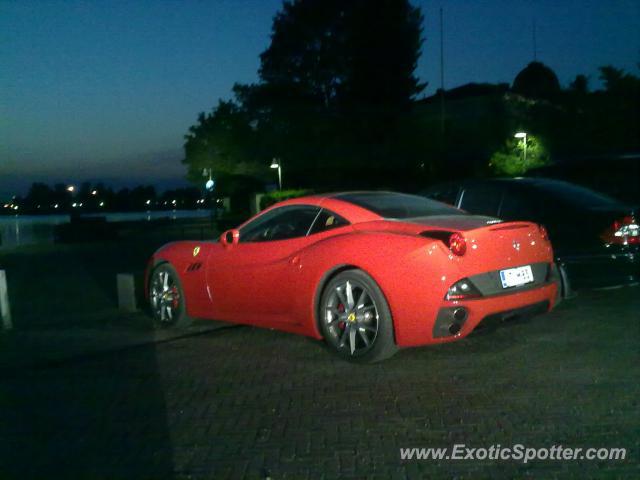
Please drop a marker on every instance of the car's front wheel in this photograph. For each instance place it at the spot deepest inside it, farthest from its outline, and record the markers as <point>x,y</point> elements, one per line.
<point>355,319</point>
<point>166,298</point>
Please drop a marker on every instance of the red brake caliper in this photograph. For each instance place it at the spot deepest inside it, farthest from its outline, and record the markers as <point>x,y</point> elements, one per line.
<point>176,297</point>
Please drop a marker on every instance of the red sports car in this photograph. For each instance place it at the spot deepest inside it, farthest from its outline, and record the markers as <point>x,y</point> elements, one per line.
<point>368,272</point>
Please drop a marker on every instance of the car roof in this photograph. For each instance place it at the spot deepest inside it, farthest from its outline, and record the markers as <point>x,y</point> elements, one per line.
<point>353,205</point>
<point>532,181</point>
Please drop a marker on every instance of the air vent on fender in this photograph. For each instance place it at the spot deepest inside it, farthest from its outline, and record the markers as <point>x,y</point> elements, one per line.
<point>194,266</point>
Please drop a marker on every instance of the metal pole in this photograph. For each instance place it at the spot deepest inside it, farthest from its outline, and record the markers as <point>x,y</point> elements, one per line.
<point>525,149</point>
<point>5,311</point>
<point>535,42</point>
<point>280,174</point>
<point>126,291</point>
<point>441,74</point>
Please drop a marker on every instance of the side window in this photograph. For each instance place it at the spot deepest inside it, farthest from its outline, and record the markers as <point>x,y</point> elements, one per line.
<point>327,220</point>
<point>518,205</point>
<point>280,224</point>
<point>482,199</point>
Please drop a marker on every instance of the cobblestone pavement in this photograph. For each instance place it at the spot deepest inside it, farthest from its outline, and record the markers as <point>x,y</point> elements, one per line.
<point>250,403</point>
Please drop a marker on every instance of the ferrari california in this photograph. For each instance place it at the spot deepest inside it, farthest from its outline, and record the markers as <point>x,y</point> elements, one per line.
<point>368,272</point>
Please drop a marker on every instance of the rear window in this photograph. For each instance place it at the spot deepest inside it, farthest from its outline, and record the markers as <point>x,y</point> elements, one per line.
<point>576,195</point>
<point>447,193</point>
<point>398,205</point>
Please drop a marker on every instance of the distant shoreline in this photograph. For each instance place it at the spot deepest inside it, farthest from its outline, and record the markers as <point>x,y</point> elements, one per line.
<point>19,230</point>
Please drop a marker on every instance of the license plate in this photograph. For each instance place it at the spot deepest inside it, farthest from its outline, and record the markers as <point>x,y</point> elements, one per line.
<point>513,277</point>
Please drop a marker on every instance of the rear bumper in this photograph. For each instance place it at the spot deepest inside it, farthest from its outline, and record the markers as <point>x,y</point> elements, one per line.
<point>602,269</point>
<point>449,325</point>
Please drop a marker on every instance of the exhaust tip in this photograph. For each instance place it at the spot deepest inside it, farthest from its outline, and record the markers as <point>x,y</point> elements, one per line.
<point>460,314</point>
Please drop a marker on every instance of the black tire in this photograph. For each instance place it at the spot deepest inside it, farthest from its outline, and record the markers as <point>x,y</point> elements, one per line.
<point>347,320</point>
<point>167,300</point>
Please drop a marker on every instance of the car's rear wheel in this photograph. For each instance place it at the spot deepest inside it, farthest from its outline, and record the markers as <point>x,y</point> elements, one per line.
<point>355,319</point>
<point>166,298</point>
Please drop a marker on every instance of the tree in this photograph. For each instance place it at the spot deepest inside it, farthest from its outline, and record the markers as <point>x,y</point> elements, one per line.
<point>580,85</point>
<point>334,82</point>
<point>346,51</point>
<point>220,141</point>
<point>537,80</point>
<point>510,159</point>
<point>39,196</point>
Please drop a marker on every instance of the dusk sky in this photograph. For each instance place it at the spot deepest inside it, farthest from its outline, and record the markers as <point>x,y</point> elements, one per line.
<point>106,90</point>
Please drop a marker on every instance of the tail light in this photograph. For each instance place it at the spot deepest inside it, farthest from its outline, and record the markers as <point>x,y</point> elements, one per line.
<point>624,231</point>
<point>462,289</point>
<point>543,232</point>
<point>457,244</point>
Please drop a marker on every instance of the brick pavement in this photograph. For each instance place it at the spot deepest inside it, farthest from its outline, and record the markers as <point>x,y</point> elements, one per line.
<point>250,403</point>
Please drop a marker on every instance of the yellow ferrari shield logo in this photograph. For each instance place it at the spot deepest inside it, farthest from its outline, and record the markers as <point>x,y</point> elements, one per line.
<point>196,251</point>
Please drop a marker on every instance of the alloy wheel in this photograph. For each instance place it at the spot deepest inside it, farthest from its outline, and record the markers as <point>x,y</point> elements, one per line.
<point>351,317</point>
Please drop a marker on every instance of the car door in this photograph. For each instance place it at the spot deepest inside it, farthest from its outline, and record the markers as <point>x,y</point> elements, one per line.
<point>248,282</point>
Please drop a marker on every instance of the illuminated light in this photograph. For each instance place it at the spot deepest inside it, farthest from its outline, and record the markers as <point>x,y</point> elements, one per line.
<point>6,205</point>
<point>71,188</point>
<point>94,192</point>
<point>210,184</point>
<point>521,135</point>
<point>74,204</point>
<point>55,206</point>
<point>15,207</point>
<point>173,201</point>
<point>102,204</point>
<point>624,231</point>
<point>457,244</point>
<point>148,202</point>
<point>462,289</point>
<point>80,204</point>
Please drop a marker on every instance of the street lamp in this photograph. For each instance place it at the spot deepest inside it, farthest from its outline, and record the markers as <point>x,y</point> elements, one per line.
<point>277,163</point>
<point>523,136</point>
<point>71,188</point>
<point>211,183</point>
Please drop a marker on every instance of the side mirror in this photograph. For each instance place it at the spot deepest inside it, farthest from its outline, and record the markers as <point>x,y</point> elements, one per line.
<point>230,237</point>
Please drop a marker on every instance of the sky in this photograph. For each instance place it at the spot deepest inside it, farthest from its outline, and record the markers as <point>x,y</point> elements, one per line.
<point>106,91</point>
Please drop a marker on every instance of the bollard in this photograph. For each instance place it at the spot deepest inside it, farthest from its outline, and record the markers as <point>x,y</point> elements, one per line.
<point>126,292</point>
<point>5,311</point>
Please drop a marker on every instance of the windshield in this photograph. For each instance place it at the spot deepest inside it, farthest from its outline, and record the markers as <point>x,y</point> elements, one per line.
<point>398,205</point>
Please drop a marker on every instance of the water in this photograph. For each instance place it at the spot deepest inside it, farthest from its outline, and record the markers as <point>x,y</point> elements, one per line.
<point>20,230</point>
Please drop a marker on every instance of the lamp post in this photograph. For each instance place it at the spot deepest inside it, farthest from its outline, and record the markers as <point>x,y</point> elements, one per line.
<point>209,184</point>
<point>523,136</point>
<point>277,163</point>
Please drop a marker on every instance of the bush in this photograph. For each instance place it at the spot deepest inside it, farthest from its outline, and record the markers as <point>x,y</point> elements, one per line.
<point>510,159</point>
<point>278,196</point>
